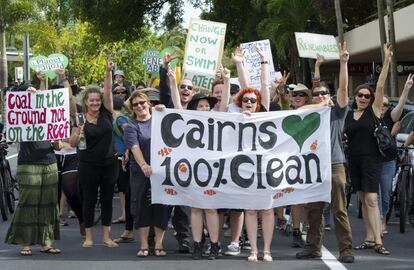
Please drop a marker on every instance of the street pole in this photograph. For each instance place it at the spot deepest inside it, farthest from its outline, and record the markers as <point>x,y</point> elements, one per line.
<point>383,38</point>
<point>391,36</point>
<point>26,52</point>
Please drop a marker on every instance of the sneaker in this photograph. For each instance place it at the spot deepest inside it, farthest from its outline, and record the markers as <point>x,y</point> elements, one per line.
<point>207,251</point>
<point>297,241</point>
<point>183,247</point>
<point>197,251</point>
<point>64,222</point>
<point>233,249</point>
<point>328,227</point>
<point>246,245</point>
<point>72,215</point>
<point>214,251</point>
<point>346,258</point>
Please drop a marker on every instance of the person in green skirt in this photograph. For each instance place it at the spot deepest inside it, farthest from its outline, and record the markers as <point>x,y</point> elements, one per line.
<point>36,219</point>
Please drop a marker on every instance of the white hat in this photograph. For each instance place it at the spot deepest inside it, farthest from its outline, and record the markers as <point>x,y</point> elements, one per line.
<point>119,72</point>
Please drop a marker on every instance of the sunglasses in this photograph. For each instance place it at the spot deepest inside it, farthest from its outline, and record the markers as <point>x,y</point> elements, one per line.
<point>120,93</point>
<point>246,100</point>
<point>317,94</point>
<point>366,96</point>
<point>183,86</point>
<point>301,94</point>
<point>142,103</point>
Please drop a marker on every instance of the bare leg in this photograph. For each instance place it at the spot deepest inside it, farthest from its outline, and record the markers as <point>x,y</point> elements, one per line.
<point>268,224</point>
<point>159,237</point>
<point>251,226</point>
<point>236,225</point>
<point>197,224</point>
<point>373,215</point>
<point>212,219</point>
<point>143,237</point>
<point>295,212</point>
<point>369,236</point>
<point>122,201</point>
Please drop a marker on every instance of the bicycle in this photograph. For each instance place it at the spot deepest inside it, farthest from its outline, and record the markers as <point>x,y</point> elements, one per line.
<point>403,188</point>
<point>8,184</point>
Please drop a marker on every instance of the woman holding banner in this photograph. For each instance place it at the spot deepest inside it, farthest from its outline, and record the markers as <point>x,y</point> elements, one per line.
<point>36,218</point>
<point>201,102</point>
<point>251,101</point>
<point>98,167</point>
<point>137,138</point>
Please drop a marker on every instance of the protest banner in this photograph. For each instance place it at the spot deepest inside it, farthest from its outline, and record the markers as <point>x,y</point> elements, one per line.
<point>203,52</point>
<point>151,60</point>
<point>252,62</point>
<point>39,116</point>
<point>221,160</point>
<point>48,65</point>
<point>310,44</point>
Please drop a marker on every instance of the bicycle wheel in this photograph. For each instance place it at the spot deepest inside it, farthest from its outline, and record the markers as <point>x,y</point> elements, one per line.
<point>3,209</point>
<point>402,192</point>
<point>393,201</point>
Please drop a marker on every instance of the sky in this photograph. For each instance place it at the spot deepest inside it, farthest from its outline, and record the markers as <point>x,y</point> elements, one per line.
<point>189,12</point>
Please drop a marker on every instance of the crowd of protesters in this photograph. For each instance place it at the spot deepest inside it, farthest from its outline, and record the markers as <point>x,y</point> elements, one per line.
<point>110,145</point>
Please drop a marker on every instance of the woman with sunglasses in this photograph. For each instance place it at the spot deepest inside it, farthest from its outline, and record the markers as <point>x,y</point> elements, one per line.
<point>98,168</point>
<point>251,100</point>
<point>137,138</point>
<point>365,159</point>
<point>201,102</point>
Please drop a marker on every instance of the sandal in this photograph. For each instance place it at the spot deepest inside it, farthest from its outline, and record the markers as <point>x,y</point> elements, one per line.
<point>380,249</point>
<point>143,253</point>
<point>365,245</point>
<point>118,221</point>
<point>110,243</point>
<point>252,257</point>
<point>267,256</point>
<point>87,244</point>
<point>50,250</point>
<point>26,252</point>
<point>160,252</point>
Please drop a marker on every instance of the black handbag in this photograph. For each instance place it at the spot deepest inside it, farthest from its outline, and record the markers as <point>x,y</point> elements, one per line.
<point>386,143</point>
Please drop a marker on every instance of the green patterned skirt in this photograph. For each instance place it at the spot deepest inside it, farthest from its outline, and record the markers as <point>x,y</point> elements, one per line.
<point>36,219</point>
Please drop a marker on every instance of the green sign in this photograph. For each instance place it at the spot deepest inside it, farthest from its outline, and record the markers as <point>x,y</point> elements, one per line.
<point>48,65</point>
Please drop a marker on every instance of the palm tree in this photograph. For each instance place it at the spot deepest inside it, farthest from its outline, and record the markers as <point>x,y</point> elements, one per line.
<point>11,12</point>
<point>339,21</point>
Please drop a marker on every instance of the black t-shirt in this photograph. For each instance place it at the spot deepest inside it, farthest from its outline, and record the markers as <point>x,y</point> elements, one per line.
<point>99,144</point>
<point>274,107</point>
<point>36,153</point>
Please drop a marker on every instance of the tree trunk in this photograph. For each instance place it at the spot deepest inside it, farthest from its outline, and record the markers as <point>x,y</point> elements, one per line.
<point>391,39</point>
<point>339,21</point>
<point>3,59</point>
<point>383,38</point>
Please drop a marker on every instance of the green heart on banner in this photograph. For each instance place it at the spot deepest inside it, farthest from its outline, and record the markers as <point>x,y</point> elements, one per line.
<point>299,129</point>
<point>48,65</point>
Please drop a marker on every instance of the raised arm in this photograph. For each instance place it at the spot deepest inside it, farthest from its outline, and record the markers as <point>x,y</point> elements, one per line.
<point>107,93</point>
<point>264,79</point>
<point>316,80</point>
<point>165,89</point>
<point>175,95</point>
<point>238,58</point>
<point>397,111</point>
<point>42,78</point>
<point>225,95</point>
<point>342,94</point>
<point>379,91</point>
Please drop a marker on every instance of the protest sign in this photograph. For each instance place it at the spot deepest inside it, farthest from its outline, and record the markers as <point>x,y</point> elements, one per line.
<point>252,62</point>
<point>40,116</point>
<point>221,160</point>
<point>151,60</point>
<point>203,52</point>
<point>48,65</point>
<point>310,44</point>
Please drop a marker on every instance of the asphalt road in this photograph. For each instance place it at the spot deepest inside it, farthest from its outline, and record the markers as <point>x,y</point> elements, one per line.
<point>99,257</point>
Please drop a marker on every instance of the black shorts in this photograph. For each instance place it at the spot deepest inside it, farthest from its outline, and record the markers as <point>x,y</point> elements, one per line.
<point>225,210</point>
<point>123,178</point>
<point>365,172</point>
<point>67,163</point>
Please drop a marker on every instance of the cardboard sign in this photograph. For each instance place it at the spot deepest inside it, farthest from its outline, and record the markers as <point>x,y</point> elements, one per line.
<point>203,52</point>
<point>310,44</point>
<point>252,62</point>
<point>214,160</point>
<point>48,65</point>
<point>151,60</point>
<point>40,116</point>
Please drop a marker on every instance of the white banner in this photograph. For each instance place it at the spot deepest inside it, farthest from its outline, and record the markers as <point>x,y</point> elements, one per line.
<point>203,52</point>
<point>252,62</point>
<point>40,116</point>
<point>225,160</point>
<point>310,44</point>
